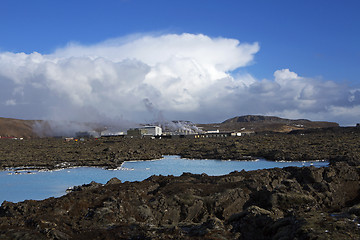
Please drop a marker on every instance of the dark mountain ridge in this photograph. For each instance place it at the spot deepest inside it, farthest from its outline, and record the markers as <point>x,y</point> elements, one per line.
<point>259,123</point>
<point>260,118</point>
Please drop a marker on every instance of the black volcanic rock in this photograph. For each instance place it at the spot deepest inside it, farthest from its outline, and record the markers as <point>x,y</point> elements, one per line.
<point>290,203</point>
<point>333,144</point>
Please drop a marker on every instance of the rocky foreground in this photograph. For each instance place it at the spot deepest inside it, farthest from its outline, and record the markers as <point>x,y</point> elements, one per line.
<point>289,203</point>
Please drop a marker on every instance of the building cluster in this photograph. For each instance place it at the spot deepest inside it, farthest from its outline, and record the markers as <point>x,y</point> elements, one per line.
<point>159,132</point>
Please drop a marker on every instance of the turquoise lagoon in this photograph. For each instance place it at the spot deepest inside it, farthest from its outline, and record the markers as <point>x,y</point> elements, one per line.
<point>18,186</point>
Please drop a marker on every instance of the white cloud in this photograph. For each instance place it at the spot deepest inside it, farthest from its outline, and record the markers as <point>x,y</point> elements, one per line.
<point>183,76</point>
<point>174,72</point>
<point>216,54</point>
<point>284,75</point>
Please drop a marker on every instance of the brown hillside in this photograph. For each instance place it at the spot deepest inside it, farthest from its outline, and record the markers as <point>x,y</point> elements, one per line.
<point>260,123</point>
<point>10,127</point>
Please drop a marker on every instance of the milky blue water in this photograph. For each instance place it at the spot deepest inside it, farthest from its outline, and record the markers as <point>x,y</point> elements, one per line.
<point>44,184</point>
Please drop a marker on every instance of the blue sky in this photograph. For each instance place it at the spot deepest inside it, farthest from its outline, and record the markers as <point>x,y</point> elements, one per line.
<point>318,41</point>
<point>314,38</point>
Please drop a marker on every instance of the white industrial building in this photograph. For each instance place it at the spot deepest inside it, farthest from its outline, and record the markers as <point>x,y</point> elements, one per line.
<point>152,131</point>
<point>145,131</point>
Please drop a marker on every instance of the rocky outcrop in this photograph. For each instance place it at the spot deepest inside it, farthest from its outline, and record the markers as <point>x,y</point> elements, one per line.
<point>289,203</point>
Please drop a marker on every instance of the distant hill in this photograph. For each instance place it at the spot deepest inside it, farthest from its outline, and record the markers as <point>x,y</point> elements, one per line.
<point>10,127</point>
<point>260,123</point>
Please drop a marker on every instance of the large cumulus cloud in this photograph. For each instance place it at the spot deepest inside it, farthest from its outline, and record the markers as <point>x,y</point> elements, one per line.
<point>183,76</point>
